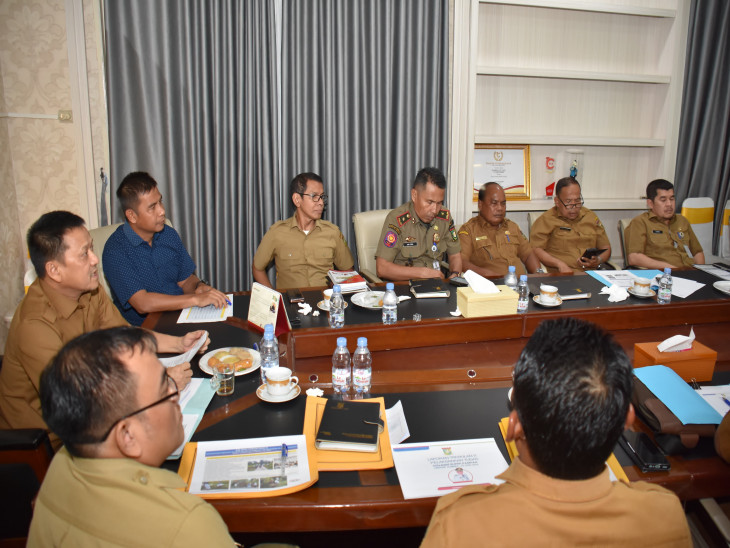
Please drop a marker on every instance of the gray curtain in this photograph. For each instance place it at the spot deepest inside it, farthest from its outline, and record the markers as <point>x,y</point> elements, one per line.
<point>703,155</point>
<point>192,94</point>
<point>364,98</point>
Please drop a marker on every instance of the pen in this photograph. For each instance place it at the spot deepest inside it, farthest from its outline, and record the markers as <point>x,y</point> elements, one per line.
<point>725,400</point>
<point>229,303</point>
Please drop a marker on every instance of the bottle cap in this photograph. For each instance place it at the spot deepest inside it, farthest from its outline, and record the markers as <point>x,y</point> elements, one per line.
<point>389,286</point>
<point>511,268</point>
<point>269,327</point>
<point>523,277</point>
<point>337,289</point>
<point>667,270</point>
<point>362,341</point>
<point>341,341</point>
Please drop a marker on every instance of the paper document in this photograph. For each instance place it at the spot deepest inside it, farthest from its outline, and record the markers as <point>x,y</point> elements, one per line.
<point>677,395</point>
<point>194,400</point>
<point>715,271</point>
<point>717,396</point>
<point>435,469</point>
<point>397,426</point>
<point>682,287</point>
<point>250,465</point>
<point>204,314</point>
<point>622,278</point>
<point>187,356</point>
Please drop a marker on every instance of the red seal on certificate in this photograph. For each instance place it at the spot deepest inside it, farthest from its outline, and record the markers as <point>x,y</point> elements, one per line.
<point>390,239</point>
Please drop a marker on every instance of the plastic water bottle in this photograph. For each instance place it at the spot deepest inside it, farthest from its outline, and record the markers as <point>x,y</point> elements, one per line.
<point>362,370</point>
<point>390,305</point>
<point>510,279</point>
<point>337,308</point>
<point>341,371</point>
<point>523,293</point>
<point>664,295</point>
<point>269,351</point>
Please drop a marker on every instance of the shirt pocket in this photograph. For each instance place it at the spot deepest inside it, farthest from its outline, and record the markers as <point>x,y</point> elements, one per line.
<point>563,239</point>
<point>508,249</point>
<point>289,255</point>
<point>325,253</point>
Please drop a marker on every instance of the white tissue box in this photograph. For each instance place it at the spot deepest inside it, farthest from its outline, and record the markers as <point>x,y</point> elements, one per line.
<point>479,305</point>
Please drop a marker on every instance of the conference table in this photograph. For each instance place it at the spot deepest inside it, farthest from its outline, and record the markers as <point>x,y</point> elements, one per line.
<point>452,375</point>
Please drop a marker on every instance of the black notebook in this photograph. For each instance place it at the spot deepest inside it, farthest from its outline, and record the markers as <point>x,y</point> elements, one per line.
<point>349,426</point>
<point>430,288</point>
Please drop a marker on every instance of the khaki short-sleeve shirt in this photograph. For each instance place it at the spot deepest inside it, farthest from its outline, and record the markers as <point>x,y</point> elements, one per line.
<point>567,240</point>
<point>494,248</point>
<point>302,260</point>
<point>648,235</point>
<point>406,240</point>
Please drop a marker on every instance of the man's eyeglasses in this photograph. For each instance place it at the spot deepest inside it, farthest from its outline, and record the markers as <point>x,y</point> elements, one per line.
<point>172,386</point>
<point>315,197</point>
<point>572,205</point>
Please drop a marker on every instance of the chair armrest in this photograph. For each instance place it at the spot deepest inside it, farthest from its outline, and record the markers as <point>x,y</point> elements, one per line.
<point>22,439</point>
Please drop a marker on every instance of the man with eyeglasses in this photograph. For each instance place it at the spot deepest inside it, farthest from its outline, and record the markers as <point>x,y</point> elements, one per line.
<point>145,262</point>
<point>561,235</point>
<point>117,411</point>
<point>661,238</point>
<point>65,301</point>
<point>303,247</point>
<point>491,243</point>
<point>417,235</point>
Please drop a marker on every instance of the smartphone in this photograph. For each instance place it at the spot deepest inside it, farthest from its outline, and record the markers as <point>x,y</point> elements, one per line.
<point>295,295</point>
<point>458,281</point>
<point>643,451</point>
<point>592,252</point>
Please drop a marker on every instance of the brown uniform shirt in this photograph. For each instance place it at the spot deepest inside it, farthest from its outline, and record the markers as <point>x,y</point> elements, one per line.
<point>43,323</point>
<point>568,240</point>
<point>648,235</point>
<point>532,509</point>
<point>406,240</point>
<point>120,502</point>
<point>494,248</point>
<point>302,260</point>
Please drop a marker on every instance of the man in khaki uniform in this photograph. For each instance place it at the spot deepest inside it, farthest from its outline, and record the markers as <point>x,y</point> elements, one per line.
<point>660,238</point>
<point>490,243</point>
<point>117,411</point>
<point>303,247</point>
<point>562,234</point>
<point>416,235</point>
<point>65,301</point>
<point>571,397</point>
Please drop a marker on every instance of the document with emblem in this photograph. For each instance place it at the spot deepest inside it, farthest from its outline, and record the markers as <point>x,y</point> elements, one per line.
<point>437,468</point>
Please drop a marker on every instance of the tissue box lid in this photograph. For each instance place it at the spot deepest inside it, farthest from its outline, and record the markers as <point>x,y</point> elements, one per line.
<point>697,363</point>
<point>478,305</point>
<point>505,294</point>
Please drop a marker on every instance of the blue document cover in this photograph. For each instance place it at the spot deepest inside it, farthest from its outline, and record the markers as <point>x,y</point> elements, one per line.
<point>650,274</point>
<point>677,395</point>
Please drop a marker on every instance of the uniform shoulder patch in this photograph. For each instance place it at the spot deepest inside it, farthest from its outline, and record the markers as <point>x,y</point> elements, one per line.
<point>403,219</point>
<point>444,214</point>
<point>394,228</point>
<point>390,239</point>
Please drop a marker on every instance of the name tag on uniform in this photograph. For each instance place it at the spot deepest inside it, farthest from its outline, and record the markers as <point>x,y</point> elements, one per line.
<point>565,228</point>
<point>409,244</point>
<point>480,238</point>
<point>658,231</point>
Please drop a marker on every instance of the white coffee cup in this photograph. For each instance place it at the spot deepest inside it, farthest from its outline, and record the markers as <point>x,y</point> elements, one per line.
<point>279,381</point>
<point>548,294</point>
<point>642,286</point>
<point>327,296</point>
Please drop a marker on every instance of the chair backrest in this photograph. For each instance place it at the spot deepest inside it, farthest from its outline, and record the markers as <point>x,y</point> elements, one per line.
<point>99,236</point>
<point>725,233</point>
<point>622,225</point>
<point>368,226</point>
<point>700,212</point>
<point>532,216</point>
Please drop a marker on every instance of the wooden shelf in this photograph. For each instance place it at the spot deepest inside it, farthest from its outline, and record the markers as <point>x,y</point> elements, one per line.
<point>485,70</point>
<point>599,7</point>
<point>572,140</point>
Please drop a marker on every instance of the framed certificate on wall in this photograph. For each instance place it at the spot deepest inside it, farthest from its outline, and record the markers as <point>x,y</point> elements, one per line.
<point>508,165</point>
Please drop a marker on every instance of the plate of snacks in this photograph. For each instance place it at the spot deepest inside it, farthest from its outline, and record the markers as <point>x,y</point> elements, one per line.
<point>244,360</point>
<point>372,300</point>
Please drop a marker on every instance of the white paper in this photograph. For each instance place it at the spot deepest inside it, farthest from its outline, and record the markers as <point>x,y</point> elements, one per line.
<point>480,284</point>
<point>187,356</point>
<point>205,314</point>
<point>677,343</point>
<point>189,423</point>
<point>621,278</point>
<point>439,468</point>
<point>719,272</point>
<point>682,287</point>
<point>717,396</point>
<point>397,425</point>
<point>250,465</point>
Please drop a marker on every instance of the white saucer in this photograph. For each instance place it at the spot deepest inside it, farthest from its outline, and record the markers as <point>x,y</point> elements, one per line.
<point>536,299</point>
<point>324,305</point>
<point>722,286</point>
<point>263,394</point>
<point>641,295</point>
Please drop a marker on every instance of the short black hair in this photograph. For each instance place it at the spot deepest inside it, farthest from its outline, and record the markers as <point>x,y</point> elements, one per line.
<point>429,175</point>
<point>299,183</point>
<point>572,389</point>
<point>87,387</point>
<point>657,184</point>
<point>45,238</point>
<point>483,189</point>
<point>565,181</point>
<point>132,187</point>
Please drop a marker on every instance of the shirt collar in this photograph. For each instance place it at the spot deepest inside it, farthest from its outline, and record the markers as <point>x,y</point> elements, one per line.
<point>134,238</point>
<point>653,217</point>
<point>414,215</point>
<point>292,223</point>
<point>63,306</point>
<point>558,490</point>
<point>484,224</point>
<point>580,216</point>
